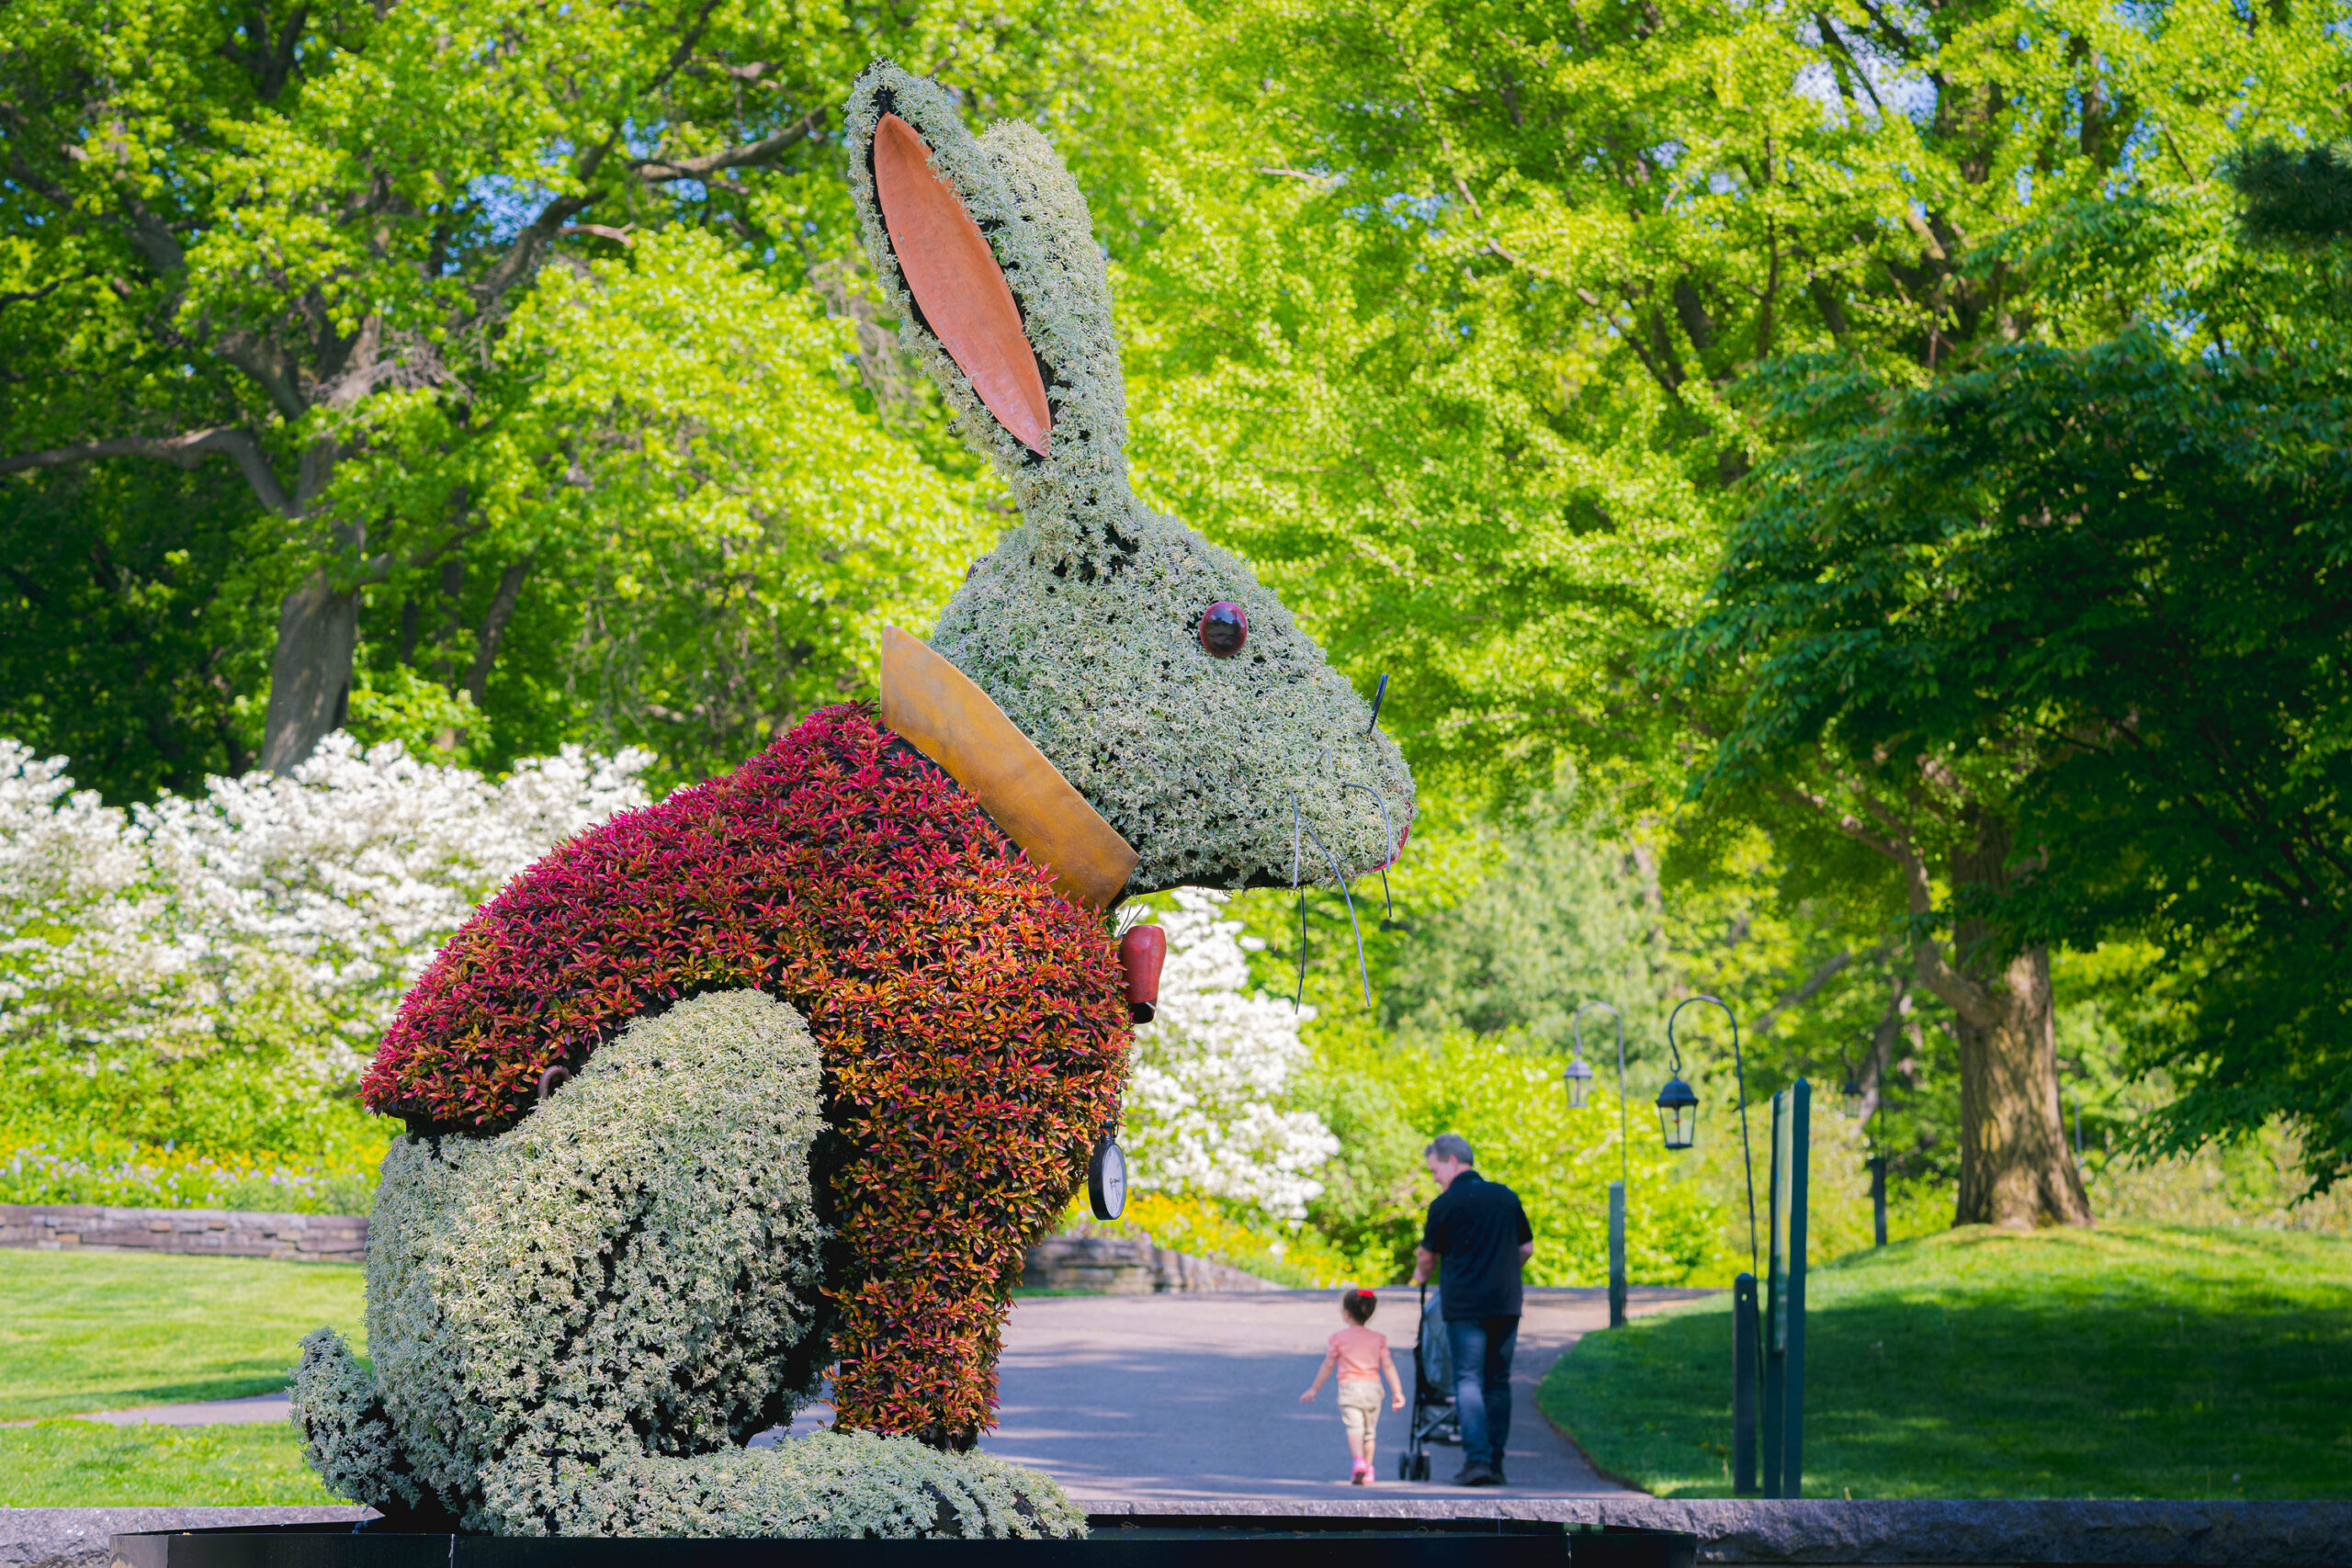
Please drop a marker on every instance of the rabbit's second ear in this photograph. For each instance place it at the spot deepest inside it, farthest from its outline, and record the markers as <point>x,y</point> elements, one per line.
<point>957,285</point>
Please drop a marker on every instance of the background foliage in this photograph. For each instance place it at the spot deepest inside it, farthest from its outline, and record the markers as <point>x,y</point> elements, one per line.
<point>1511,346</point>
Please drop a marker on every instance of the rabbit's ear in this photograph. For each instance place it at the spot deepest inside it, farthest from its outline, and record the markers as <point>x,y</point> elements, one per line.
<point>956,286</point>
<point>984,248</point>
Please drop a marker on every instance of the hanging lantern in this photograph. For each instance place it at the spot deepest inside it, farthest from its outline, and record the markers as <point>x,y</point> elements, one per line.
<point>1677,1114</point>
<point>1578,1077</point>
<point>1853,1093</point>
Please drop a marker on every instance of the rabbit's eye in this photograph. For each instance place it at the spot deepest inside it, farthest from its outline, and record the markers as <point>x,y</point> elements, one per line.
<point>1223,628</point>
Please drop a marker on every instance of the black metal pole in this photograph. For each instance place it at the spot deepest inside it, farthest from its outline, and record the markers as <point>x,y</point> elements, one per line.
<point>1745,1342</point>
<point>1616,1255</point>
<point>1624,1166</point>
<point>1739,1067</point>
<point>1878,1200</point>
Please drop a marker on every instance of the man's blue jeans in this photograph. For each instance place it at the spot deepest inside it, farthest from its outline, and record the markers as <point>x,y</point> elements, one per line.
<point>1482,1349</point>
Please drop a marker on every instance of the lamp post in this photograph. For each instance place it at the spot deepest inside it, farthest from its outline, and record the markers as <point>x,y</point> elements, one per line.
<point>1580,1079</point>
<point>1678,1115</point>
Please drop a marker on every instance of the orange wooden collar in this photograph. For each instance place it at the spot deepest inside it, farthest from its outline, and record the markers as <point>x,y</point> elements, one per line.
<point>935,709</point>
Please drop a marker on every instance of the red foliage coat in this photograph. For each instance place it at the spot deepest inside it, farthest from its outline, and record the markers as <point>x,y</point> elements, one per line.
<point>971,1022</point>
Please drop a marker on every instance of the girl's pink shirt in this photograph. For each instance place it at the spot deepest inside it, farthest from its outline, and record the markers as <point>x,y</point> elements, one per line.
<point>1359,1352</point>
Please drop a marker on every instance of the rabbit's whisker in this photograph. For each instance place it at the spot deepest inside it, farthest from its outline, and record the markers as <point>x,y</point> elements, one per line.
<point>1341,878</point>
<point>1298,820</point>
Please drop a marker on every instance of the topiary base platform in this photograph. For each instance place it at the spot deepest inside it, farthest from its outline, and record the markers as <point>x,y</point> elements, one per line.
<point>1123,1541</point>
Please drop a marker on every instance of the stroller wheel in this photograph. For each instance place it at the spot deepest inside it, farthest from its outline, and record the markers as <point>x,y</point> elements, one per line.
<point>1404,1467</point>
<point>1420,1467</point>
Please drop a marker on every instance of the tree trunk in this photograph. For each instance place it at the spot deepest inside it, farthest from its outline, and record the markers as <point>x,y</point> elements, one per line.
<point>318,631</point>
<point>2015,1166</point>
<point>310,673</point>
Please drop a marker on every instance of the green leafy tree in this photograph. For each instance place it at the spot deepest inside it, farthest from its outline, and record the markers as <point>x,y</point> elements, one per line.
<point>293,238</point>
<point>132,623</point>
<point>2073,626</point>
<point>1444,313</point>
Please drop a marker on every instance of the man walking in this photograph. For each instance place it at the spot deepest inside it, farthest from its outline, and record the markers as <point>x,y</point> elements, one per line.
<point>1480,1229</point>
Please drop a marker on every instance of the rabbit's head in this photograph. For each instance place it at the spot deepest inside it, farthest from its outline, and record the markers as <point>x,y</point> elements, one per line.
<point>1221,745</point>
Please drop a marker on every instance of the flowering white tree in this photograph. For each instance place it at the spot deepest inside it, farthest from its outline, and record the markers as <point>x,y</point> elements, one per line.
<point>1209,1070</point>
<point>322,895</point>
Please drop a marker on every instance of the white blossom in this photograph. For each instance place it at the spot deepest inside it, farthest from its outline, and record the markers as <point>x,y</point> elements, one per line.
<point>1210,1071</point>
<point>318,897</point>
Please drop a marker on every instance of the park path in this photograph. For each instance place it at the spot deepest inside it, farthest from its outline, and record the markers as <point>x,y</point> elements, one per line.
<point>1196,1395</point>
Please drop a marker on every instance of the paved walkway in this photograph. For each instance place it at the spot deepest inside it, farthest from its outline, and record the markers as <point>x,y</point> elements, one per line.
<point>1196,1395</point>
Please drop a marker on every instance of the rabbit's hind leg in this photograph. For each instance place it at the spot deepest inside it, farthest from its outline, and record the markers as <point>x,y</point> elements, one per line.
<point>627,1278</point>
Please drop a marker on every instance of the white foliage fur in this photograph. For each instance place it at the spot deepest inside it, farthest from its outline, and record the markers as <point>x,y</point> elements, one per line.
<point>1082,622</point>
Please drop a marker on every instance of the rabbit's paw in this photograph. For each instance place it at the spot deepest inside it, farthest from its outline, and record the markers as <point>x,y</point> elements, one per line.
<point>346,1438</point>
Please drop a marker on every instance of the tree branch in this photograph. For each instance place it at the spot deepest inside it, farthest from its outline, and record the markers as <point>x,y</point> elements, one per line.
<point>654,170</point>
<point>493,628</point>
<point>187,451</point>
<point>1830,969</point>
<point>1960,993</point>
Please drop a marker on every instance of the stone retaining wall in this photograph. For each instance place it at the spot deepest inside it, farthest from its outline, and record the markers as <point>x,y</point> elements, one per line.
<point>1114,1266</point>
<point>217,1233</point>
<point>1107,1265</point>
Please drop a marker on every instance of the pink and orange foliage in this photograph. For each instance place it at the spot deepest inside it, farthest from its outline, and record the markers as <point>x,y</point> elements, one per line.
<point>972,1023</point>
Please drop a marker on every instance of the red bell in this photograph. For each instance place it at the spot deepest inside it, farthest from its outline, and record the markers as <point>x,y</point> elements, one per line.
<point>1141,953</point>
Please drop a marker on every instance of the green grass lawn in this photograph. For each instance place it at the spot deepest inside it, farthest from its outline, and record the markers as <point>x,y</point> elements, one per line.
<point>81,1464</point>
<point>85,1331</point>
<point>2128,1361</point>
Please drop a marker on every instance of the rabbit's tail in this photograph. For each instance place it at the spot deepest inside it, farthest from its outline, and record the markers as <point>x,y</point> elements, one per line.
<point>346,1436</point>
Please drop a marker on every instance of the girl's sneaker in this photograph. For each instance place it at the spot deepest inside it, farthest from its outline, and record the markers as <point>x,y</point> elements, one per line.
<point>1362,1473</point>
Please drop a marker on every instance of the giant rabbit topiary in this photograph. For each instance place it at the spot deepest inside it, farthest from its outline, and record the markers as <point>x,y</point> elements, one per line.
<point>781,1075</point>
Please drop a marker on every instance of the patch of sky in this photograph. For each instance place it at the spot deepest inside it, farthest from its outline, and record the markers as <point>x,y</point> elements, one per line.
<point>506,204</point>
<point>642,139</point>
<point>1818,81</point>
<point>1886,79</point>
<point>2024,187</point>
<point>2143,143</point>
<point>1401,210</point>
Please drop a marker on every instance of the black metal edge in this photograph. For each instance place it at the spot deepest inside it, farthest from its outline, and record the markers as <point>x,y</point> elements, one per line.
<point>1211,1526</point>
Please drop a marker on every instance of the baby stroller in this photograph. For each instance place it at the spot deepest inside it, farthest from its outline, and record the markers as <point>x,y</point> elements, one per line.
<point>1431,1418</point>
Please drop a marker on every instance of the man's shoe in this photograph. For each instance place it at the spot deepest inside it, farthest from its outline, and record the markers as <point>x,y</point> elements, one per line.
<point>1500,1479</point>
<point>1476,1476</point>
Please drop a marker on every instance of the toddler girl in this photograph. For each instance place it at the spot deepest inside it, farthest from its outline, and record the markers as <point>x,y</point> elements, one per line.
<point>1361,1357</point>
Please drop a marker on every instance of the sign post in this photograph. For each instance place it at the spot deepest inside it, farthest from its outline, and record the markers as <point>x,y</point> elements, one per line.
<point>1784,1294</point>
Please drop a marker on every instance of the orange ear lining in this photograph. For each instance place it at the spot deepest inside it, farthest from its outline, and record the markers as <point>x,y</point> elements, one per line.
<point>955,279</point>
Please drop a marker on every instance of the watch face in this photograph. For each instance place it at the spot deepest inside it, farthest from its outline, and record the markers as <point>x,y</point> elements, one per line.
<point>1106,1180</point>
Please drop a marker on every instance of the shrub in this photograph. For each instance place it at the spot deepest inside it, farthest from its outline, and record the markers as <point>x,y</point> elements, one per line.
<point>1510,1106</point>
<point>96,1169</point>
<point>1203,1108</point>
<point>204,974</point>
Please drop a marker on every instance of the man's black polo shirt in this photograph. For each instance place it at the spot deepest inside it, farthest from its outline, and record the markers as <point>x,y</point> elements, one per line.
<point>1476,1226</point>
